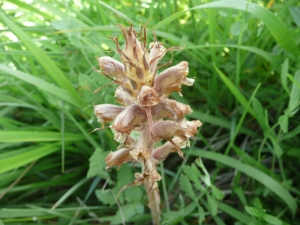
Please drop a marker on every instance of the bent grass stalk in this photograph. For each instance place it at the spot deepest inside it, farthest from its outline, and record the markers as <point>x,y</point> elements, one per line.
<point>146,109</point>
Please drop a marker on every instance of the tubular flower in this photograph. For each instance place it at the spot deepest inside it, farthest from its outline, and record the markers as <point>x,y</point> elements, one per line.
<point>146,110</point>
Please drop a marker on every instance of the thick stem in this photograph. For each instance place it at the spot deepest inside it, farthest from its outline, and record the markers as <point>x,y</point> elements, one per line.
<point>152,191</point>
<point>154,200</point>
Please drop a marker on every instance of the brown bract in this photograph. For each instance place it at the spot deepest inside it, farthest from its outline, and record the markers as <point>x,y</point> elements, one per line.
<point>145,109</point>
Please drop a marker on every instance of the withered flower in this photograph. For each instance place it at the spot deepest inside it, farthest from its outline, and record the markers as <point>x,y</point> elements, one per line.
<point>146,109</point>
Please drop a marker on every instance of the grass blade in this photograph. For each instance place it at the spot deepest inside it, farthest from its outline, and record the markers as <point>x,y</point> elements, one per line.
<point>256,174</point>
<point>241,99</point>
<point>25,157</point>
<point>35,136</point>
<point>44,85</point>
<point>274,24</point>
<point>49,66</point>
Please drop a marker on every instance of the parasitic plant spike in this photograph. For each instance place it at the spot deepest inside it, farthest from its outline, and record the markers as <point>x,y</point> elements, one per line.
<point>146,109</point>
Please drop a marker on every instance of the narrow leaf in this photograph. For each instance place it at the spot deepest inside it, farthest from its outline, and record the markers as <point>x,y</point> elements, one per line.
<point>295,12</point>
<point>284,122</point>
<point>237,94</point>
<point>205,178</point>
<point>272,220</point>
<point>24,158</point>
<point>237,214</point>
<point>295,95</point>
<point>44,85</point>
<point>275,143</point>
<point>201,215</point>
<point>283,75</point>
<point>49,66</point>
<point>186,186</point>
<point>260,114</point>
<point>36,136</point>
<point>272,22</point>
<point>255,212</point>
<point>219,195</point>
<point>212,204</point>
<point>256,174</point>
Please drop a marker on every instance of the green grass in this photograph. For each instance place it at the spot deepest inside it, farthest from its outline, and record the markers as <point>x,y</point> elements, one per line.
<point>245,58</point>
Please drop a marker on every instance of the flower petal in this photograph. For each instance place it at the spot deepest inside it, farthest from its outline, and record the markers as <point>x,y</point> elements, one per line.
<point>133,116</point>
<point>107,112</point>
<point>171,79</point>
<point>164,130</point>
<point>168,108</point>
<point>110,66</point>
<point>162,152</point>
<point>123,97</point>
<point>118,157</point>
<point>148,96</point>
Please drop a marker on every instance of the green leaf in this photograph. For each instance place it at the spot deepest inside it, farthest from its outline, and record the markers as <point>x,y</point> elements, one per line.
<point>220,122</point>
<point>186,186</point>
<point>49,66</point>
<point>97,164</point>
<point>219,195</point>
<point>237,94</point>
<point>236,28</point>
<point>194,175</point>
<point>237,214</point>
<point>106,196</point>
<point>295,95</point>
<point>284,122</point>
<point>272,22</point>
<point>294,152</point>
<point>260,115</point>
<point>272,220</point>
<point>256,174</point>
<point>43,85</point>
<point>201,215</point>
<point>292,133</point>
<point>257,203</point>
<point>255,212</point>
<point>188,210</point>
<point>212,204</point>
<point>118,13</point>
<point>70,25</point>
<point>278,150</point>
<point>18,158</point>
<point>295,12</point>
<point>128,211</point>
<point>37,136</point>
<point>69,192</point>
<point>253,49</point>
<point>205,178</point>
<point>283,74</point>
<point>124,176</point>
<point>238,190</point>
<point>133,194</point>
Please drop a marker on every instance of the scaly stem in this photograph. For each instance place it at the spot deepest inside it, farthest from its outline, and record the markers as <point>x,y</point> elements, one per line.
<point>154,200</point>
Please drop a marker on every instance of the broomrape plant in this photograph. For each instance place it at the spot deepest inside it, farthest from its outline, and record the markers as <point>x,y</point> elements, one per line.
<point>146,109</point>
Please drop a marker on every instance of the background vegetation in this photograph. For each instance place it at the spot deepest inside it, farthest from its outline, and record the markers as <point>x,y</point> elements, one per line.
<point>245,58</point>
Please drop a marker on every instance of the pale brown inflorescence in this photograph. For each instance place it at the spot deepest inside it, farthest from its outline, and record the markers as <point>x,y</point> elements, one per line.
<point>146,109</point>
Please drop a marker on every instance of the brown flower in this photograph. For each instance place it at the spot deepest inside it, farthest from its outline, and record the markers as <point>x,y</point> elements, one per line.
<point>146,110</point>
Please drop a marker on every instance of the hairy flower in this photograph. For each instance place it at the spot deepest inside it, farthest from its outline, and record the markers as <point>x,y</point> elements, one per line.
<point>146,110</point>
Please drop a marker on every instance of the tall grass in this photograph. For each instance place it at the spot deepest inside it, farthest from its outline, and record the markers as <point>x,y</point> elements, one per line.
<point>245,58</point>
